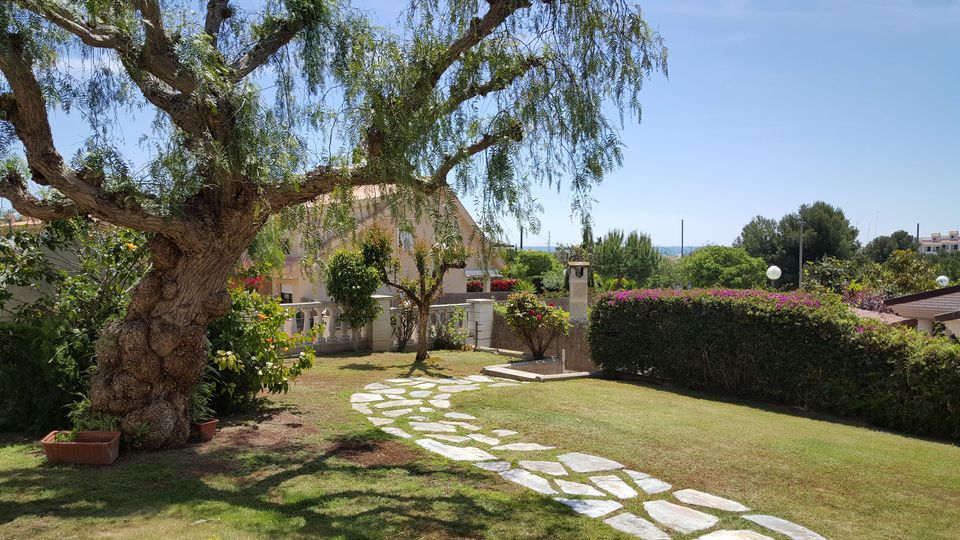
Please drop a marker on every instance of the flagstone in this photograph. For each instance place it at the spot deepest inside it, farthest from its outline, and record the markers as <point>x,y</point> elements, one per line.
<point>424,386</point>
<point>397,431</point>
<point>442,396</point>
<point>376,386</point>
<point>456,453</point>
<point>591,507</point>
<point>636,526</point>
<point>484,439</point>
<point>390,391</point>
<point>652,486</point>
<point>445,437</point>
<point>527,479</point>
<point>615,486</point>
<point>735,535</point>
<point>418,418</point>
<point>433,426</point>
<point>503,432</point>
<point>380,421</point>
<point>576,488</point>
<point>362,408</point>
<point>421,393</point>
<point>365,397</point>
<point>440,403</point>
<point>679,518</point>
<point>393,413</point>
<point>398,403</point>
<point>464,425</point>
<point>699,498</point>
<point>546,467</point>
<point>426,409</point>
<point>495,466</point>
<point>399,380</point>
<point>784,527</point>
<point>585,463</point>
<point>479,378</point>
<point>635,475</point>
<point>459,416</point>
<point>395,396</point>
<point>523,447</point>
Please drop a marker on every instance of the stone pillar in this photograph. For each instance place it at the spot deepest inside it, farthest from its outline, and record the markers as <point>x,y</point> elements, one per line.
<point>380,332</point>
<point>486,283</point>
<point>579,273</point>
<point>482,320</point>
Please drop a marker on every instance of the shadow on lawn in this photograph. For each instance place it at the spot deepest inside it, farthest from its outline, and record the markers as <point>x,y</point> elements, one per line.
<point>331,491</point>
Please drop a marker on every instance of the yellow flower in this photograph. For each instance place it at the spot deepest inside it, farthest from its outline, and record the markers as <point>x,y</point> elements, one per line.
<point>131,246</point>
<point>261,316</point>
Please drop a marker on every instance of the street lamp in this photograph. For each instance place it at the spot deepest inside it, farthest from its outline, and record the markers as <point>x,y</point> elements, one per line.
<point>773,274</point>
<point>943,281</point>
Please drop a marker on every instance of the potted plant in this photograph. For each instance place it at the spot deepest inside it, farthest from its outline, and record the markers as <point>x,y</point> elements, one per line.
<point>94,440</point>
<point>201,415</point>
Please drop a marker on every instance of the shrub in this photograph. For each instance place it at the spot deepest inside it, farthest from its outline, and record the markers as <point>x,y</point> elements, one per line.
<point>537,323</point>
<point>351,282</point>
<point>447,333</point>
<point>722,266</point>
<point>475,285</point>
<point>554,280</point>
<point>404,322</point>
<point>530,263</point>
<point>522,285</point>
<point>794,349</point>
<point>248,351</point>
<point>503,285</point>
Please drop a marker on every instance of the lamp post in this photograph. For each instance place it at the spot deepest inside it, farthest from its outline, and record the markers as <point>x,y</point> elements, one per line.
<point>943,281</point>
<point>773,274</point>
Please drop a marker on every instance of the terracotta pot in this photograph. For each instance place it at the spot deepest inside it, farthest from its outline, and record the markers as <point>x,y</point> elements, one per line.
<point>206,429</point>
<point>89,448</point>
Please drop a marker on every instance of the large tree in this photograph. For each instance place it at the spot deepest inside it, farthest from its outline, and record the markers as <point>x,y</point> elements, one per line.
<point>258,112</point>
<point>618,258</point>
<point>880,248</point>
<point>826,232</point>
<point>759,238</point>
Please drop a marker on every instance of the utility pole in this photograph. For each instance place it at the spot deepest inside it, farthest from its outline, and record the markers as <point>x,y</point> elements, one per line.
<point>548,241</point>
<point>800,276</point>
<point>918,237</point>
<point>681,238</point>
<point>521,238</point>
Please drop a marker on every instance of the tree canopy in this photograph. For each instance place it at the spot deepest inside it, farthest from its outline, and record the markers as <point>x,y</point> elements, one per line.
<point>632,258</point>
<point>722,266</point>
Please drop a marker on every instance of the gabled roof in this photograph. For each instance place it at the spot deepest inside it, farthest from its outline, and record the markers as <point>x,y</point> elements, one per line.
<point>926,295</point>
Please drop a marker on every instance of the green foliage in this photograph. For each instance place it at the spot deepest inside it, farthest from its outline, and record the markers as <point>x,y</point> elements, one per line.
<point>537,323</point>
<point>554,280</point>
<point>448,334</point>
<point>880,248</point>
<point>722,266</point>
<point>59,286</point>
<point>529,263</point>
<point>760,238</point>
<point>249,351</point>
<point>910,272</point>
<point>791,349</point>
<point>948,264</point>
<point>668,274</point>
<point>619,259</point>
<point>525,286</point>
<point>201,400</point>
<point>351,282</point>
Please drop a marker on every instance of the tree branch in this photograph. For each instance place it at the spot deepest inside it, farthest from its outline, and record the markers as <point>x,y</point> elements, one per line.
<point>283,32</point>
<point>101,36</point>
<point>499,81</point>
<point>512,132</point>
<point>14,187</point>
<point>217,12</point>
<point>158,55</point>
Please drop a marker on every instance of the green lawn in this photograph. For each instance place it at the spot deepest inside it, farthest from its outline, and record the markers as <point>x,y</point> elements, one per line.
<point>311,466</point>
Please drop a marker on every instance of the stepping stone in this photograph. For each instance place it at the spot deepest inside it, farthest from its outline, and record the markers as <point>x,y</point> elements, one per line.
<point>421,393</point>
<point>735,535</point>
<point>699,498</point>
<point>426,409</point>
<point>424,386</point>
<point>479,378</point>
<point>380,421</point>
<point>679,518</point>
<point>397,431</point>
<point>523,447</point>
<point>362,408</point>
<point>652,486</point>
<point>458,388</point>
<point>614,485</point>
<point>418,418</point>
<point>442,396</point>
<point>394,396</point>
<point>459,416</point>
<point>502,384</point>
<point>364,397</point>
<point>484,439</point>
<point>406,382</point>
<point>586,463</point>
<point>400,380</point>
<point>546,467</point>
<point>456,453</point>
<point>464,425</point>
<point>576,488</point>
<point>495,466</point>
<point>440,403</point>
<point>636,526</point>
<point>636,476</point>
<point>529,480</point>
<point>396,412</point>
<point>390,391</point>
<point>376,386</point>
<point>451,438</point>
<point>398,403</point>
<point>435,427</point>
<point>590,507</point>
<point>784,527</point>
<point>503,432</point>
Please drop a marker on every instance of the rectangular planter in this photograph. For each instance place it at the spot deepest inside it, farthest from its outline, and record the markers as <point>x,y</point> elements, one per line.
<point>90,448</point>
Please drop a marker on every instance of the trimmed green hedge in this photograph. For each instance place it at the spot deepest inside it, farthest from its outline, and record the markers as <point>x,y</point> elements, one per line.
<point>793,349</point>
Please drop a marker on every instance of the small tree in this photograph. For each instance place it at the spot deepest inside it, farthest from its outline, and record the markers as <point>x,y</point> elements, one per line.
<point>722,266</point>
<point>537,323</point>
<point>620,259</point>
<point>431,262</point>
<point>351,283</point>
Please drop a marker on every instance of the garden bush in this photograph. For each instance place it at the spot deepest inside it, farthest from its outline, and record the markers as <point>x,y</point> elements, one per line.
<point>249,352</point>
<point>794,349</point>
<point>447,333</point>
<point>536,322</point>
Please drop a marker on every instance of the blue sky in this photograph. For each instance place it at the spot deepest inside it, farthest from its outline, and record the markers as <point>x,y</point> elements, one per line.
<point>769,105</point>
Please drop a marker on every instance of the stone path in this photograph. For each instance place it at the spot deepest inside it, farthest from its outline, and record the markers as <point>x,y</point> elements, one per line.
<point>418,408</point>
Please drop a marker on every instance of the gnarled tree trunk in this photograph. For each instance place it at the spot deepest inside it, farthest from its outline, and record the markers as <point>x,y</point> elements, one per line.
<point>150,362</point>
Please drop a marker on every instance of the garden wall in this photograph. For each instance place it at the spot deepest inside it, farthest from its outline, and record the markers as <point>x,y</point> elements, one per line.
<point>578,351</point>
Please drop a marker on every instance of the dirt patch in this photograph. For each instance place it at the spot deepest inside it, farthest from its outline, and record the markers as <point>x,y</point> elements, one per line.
<point>281,430</point>
<point>372,453</point>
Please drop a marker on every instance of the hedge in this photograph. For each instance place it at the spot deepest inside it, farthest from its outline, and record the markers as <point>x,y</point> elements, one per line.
<point>793,349</point>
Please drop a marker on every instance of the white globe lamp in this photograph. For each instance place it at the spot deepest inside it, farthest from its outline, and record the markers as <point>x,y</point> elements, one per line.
<point>774,273</point>
<point>943,281</point>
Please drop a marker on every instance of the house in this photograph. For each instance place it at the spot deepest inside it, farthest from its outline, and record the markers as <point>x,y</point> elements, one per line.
<point>939,305</point>
<point>369,206</point>
<point>939,243</point>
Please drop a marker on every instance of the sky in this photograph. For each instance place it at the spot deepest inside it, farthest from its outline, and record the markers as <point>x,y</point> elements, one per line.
<point>768,105</point>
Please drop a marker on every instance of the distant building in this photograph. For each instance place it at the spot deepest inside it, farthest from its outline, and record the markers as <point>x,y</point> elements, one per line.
<point>938,243</point>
